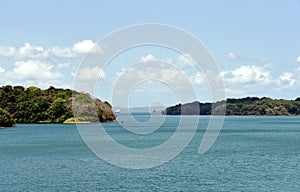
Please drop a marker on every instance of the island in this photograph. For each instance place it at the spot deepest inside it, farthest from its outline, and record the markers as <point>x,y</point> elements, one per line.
<point>244,106</point>
<point>53,105</point>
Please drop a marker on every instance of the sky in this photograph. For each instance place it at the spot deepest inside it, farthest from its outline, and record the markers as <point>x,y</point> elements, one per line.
<point>255,45</point>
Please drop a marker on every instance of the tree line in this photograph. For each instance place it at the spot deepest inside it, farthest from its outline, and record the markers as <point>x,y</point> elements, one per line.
<point>52,105</point>
<point>243,106</point>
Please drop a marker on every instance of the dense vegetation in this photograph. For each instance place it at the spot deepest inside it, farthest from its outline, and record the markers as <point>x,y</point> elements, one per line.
<point>34,105</point>
<point>6,119</point>
<point>244,106</point>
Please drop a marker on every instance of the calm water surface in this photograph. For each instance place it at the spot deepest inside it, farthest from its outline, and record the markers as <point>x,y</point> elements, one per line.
<point>250,154</point>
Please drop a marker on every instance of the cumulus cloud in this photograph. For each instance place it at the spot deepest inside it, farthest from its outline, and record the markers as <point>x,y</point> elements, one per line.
<point>256,76</point>
<point>148,57</point>
<point>33,69</point>
<point>257,80</point>
<point>90,74</point>
<point>29,51</point>
<point>87,46</point>
<point>7,51</point>
<point>38,65</point>
<point>182,60</point>
<point>64,52</point>
<point>247,75</point>
<point>81,47</point>
<point>32,51</point>
<point>286,80</point>
<point>298,59</point>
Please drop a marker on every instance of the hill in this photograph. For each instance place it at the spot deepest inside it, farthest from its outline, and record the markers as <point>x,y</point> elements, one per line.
<point>244,106</point>
<point>52,105</point>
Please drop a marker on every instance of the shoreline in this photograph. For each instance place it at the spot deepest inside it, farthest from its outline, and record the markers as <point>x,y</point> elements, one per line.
<point>6,127</point>
<point>78,122</point>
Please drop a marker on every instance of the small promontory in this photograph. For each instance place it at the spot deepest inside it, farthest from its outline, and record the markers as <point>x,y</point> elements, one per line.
<point>52,105</point>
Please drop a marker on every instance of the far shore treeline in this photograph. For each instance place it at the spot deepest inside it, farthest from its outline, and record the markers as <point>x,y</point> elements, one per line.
<point>52,105</point>
<point>56,105</point>
<point>244,106</point>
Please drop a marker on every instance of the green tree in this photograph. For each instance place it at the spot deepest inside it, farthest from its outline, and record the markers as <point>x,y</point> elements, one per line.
<point>58,111</point>
<point>6,119</point>
<point>23,113</point>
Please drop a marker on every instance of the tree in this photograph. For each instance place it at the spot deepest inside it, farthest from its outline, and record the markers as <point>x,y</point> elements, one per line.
<point>6,119</point>
<point>58,111</point>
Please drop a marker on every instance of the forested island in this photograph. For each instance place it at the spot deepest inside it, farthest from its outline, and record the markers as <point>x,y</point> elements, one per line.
<point>52,105</point>
<point>244,106</point>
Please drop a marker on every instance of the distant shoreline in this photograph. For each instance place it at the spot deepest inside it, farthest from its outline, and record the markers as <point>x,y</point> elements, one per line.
<point>248,106</point>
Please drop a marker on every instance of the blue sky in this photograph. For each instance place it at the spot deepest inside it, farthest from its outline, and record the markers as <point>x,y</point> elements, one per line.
<point>256,44</point>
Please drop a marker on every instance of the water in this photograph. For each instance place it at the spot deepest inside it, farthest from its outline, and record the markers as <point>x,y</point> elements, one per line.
<point>250,154</point>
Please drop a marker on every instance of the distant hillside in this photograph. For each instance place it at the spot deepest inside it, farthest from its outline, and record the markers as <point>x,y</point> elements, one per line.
<point>244,106</point>
<point>52,105</point>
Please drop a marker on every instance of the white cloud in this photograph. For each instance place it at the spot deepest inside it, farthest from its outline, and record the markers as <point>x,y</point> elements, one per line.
<point>28,51</point>
<point>81,47</point>
<point>90,74</point>
<point>65,52</point>
<point>298,59</point>
<point>33,69</point>
<point>86,46</point>
<point>148,57</point>
<point>181,61</point>
<point>286,80</point>
<point>2,70</point>
<point>232,56</point>
<point>32,51</point>
<point>247,75</point>
<point>258,81</point>
<point>37,65</point>
<point>7,51</point>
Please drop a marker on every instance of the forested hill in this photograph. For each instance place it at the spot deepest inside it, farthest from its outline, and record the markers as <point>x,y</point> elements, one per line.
<point>52,105</point>
<point>244,106</point>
